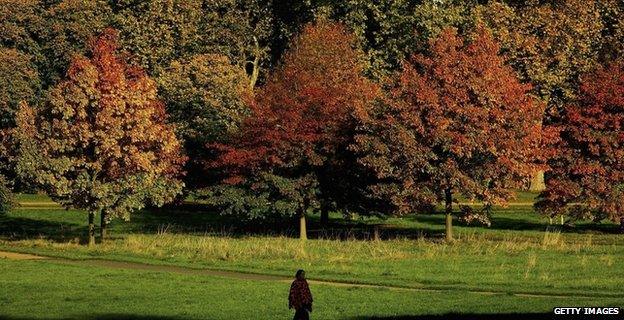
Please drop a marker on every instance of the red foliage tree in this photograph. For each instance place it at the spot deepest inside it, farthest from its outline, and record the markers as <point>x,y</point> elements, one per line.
<point>455,121</point>
<point>302,119</point>
<point>586,176</point>
<point>101,141</point>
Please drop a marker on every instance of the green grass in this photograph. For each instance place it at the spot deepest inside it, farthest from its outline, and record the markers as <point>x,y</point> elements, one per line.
<point>520,253</point>
<point>47,290</point>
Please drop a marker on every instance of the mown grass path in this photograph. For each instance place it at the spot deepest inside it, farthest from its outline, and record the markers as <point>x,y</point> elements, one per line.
<point>267,277</point>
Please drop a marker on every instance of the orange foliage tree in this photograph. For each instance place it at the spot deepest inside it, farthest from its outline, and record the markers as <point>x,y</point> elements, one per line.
<point>455,121</point>
<point>302,122</point>
<point>101,142</point>
<point>586,176</point>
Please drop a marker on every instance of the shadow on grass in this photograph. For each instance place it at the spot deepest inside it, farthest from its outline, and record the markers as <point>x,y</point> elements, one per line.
<point>19,228</point>
<point>195,218</point>
<point>111,316</point>
<point>468,316</point>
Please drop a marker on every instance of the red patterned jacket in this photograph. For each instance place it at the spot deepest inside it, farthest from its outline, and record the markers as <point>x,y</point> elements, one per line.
<point>300,295</point>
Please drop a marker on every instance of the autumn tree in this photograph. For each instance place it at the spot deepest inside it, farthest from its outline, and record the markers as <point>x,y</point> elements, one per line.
<point>299,125</point>
<point>586,176</point>
<point>205,97</point>
<point>456,121</point>
<point>101,137</point>
<point>550,44</point>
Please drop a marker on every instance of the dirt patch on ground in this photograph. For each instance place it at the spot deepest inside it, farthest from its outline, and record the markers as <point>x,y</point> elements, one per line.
<point>19,256</point>
<point>174,269</point>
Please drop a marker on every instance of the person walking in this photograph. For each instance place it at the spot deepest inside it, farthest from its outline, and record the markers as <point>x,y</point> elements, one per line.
<point>300,297</point>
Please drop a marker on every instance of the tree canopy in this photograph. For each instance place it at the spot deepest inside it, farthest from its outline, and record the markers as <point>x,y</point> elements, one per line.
<point>206,96</point>
<point>586,176</point>
<point>101,141</point>
<point>300,122</point>
<point>456,120</point>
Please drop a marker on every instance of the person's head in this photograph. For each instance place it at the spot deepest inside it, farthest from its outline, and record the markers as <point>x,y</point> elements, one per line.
<point>300,275</point>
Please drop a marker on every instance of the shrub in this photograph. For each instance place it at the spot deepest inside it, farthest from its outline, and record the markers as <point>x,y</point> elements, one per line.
<point>6,196</point>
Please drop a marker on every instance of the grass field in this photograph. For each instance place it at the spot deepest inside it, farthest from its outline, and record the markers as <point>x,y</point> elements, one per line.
<point>520,264</point>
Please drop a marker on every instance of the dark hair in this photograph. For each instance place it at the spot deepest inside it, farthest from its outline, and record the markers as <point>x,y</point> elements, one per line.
<point>300,274</point>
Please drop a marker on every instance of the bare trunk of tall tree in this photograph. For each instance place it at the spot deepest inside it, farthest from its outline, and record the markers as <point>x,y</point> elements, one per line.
<point>376,233</point>
<point>103,227</point>
<point>91,228</point>
<point>537,181</point>
<point>303,233</point>
<point>255,71</point>
<point>449,214</point>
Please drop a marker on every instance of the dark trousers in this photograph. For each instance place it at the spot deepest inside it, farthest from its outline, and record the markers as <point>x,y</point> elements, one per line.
<point>302,314</point>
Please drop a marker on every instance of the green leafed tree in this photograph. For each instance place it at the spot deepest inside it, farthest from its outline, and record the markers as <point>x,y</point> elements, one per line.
<point>391,30</point>
<point>19,81</point>
<point>206,99</point>
<point>6,196</point>
<point>158,32</point>
<point>22,24</point>
<point>101,141</point>
<point>549,43</point>
<point>68,28</point>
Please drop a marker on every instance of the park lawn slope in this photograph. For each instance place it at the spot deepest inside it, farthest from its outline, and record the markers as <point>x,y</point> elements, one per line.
<point>49,290</point>
<point>520,253</point>
<point>510,266</point>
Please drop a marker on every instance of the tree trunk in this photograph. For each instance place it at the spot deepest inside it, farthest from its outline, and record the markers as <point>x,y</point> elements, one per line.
<point>622,225</point>
<point>303,234</point>
<point>103,226</point>
<point>449,214</point>
<point>255,65</point>
<point>324,215</point>
<point>376,234</point>
<point>91,228</point>
<point>537,181</point>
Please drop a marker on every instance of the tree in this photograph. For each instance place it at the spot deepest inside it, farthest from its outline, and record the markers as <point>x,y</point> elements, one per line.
<point>19,81</point>
<point>158,32</point>
<point>101,142</point>
<point>69,26</point>
<point>586,176</point>
<point>22,24</point>
<point>242,30</point>
<point>390,30</point>
<point>298,127</point>
<point>549,43</point>
<point>205,97</point>
<point>455,121</point>
<point>6,196</point>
